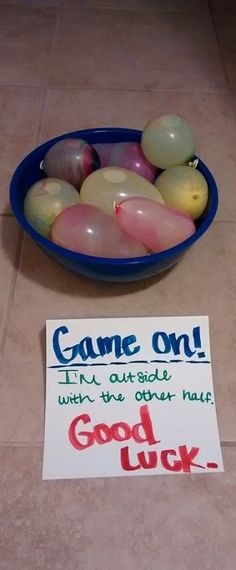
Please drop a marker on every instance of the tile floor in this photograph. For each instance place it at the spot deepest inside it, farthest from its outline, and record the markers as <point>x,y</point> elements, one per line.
<point>65,65</point>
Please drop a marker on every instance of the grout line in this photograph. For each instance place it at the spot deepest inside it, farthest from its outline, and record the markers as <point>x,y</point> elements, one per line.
<point>53,46</point>
<point>140,10</point>
<point>222,91</point>
<point>6,323</point>
<point>44,97</point>
<point>222,59</point>
<point>49,85</point>
<point>52,50</point>
<point>21,444</point>
<point>225,221</point>
<point>135,10</point>
<point>47,82</point>
<point>20,85</point>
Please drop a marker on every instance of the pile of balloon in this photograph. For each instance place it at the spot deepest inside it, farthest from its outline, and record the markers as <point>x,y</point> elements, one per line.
<point>120,200</point>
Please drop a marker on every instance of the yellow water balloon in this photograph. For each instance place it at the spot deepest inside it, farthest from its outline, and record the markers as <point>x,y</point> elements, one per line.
<point>184,188</point>
<point>45,200</point>
<point>109,186</point>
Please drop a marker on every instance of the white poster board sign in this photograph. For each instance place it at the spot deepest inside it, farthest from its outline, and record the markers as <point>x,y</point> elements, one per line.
<point>129,396</point>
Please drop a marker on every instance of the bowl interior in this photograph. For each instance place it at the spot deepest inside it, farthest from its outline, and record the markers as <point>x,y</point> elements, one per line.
<point>28,172</point>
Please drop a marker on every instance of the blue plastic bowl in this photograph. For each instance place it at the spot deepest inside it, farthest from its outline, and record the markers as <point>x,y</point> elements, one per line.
<point>106,269</point>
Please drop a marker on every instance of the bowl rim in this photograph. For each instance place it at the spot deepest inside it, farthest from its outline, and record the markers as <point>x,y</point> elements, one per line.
<point>81,257</point>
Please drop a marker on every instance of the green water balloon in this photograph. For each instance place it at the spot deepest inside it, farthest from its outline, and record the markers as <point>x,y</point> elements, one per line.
<point>167,141</point>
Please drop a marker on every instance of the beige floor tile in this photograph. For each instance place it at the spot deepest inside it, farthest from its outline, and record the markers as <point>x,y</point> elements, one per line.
<point>212,116</point>
<point>185,522</point>
<point>203,283</point>
<point>26,39</point>
<point>159,5</point>
<point>140,50</point>
<point>20,109</point>
<point>9,247</point>
<point>225,29</point>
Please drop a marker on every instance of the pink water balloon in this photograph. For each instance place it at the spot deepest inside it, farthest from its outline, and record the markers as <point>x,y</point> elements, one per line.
<point>71,159</point>
<point>127,155</point>
<point>87,229</point>
<point>104,152</point>
<point>157,226</point>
